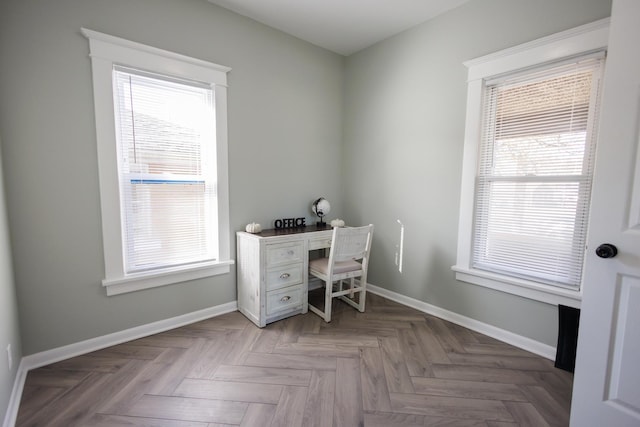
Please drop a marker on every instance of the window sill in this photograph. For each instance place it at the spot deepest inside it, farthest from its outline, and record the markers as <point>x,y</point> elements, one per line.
<point>139,281</point>
<point>522,288</point>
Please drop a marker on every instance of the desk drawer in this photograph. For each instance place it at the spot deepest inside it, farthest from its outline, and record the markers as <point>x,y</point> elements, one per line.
<point>284,276</point>
<point>284,299</point>
<point>322,243</point>
<point>284,253</point>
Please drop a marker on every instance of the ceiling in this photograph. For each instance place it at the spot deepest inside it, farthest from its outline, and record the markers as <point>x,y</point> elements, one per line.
<point>341,26</point>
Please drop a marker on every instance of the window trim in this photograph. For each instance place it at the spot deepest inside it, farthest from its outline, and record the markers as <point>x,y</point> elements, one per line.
<point>105,52</point>
<point>581,40</point>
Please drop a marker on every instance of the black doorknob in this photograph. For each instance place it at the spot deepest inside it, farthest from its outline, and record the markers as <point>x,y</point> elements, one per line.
<point>606,250</point>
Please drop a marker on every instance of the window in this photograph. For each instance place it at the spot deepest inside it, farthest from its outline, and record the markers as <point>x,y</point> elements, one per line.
<point>528,166</point>
<point>161,129</point>
<point>534,174</point>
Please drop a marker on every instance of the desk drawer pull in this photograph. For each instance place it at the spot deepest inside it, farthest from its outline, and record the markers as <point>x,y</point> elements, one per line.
<point>287,299</point>
<point>289,275</point>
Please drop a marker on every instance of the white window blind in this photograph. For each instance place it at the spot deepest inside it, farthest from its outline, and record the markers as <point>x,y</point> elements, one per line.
<point>167,170</point>
<point>535,171</point>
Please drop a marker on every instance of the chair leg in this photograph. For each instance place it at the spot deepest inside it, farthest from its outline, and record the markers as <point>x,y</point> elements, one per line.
<point>327,301</point>
<point>363,297</point>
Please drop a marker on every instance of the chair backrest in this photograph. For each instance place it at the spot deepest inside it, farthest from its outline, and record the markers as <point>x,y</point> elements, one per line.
<point>351,243</point>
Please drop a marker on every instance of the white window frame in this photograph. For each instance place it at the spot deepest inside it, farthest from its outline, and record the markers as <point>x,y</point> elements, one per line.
<point>577,41</point>
<point>107,51</point>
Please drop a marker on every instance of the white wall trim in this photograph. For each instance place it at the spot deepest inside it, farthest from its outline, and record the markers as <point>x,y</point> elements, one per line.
<point>146,280</point>
<point>16,393</point>
<point>554,295</point>
<point>519,341</point>
<point>54,355</point>
<point>593,36</point>
<point>584,40</point>
<point>107,51</point>
<point>83,347</point>
<point>110,47</point>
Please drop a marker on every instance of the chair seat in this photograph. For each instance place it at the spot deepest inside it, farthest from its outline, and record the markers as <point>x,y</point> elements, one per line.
<point>321,265</point>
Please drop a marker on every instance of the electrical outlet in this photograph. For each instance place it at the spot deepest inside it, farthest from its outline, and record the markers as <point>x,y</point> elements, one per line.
<point>9,356</point>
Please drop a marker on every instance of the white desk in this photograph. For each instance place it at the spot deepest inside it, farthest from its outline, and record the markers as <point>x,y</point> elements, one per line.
<point>272,271</point>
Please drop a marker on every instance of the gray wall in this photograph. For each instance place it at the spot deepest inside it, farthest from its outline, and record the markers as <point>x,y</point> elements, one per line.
<point>379,134</point>
<point>405,104</point>
<point>9,331</point>
<point>285,124</point>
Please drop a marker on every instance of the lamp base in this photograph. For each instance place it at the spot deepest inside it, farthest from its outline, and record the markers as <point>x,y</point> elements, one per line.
<point>321,224</point>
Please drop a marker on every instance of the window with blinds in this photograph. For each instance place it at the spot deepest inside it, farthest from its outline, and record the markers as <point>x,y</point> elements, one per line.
<point>534,173</point>
<point>167,170</point>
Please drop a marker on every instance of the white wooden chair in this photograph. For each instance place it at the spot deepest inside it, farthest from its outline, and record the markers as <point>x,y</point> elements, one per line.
<point>348,259</point>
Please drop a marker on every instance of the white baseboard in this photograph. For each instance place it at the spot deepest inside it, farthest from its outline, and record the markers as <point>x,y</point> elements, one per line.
<point>83,347</point>
<point>519,341</point>
<point>48,357</point>
<point>16,393</point>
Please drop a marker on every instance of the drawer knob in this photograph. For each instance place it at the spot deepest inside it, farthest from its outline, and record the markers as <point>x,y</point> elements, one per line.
<point>290,252</point>
<point>285,275</point>
<point>285,298</point>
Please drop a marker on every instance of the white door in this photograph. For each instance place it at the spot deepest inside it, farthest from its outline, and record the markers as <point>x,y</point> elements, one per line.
<point>606,389</point>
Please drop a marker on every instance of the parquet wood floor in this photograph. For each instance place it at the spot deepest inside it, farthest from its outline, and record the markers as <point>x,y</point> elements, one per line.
<point>391,366</point>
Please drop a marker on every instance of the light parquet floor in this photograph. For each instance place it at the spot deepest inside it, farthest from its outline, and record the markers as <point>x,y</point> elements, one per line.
<point>390,366</point>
